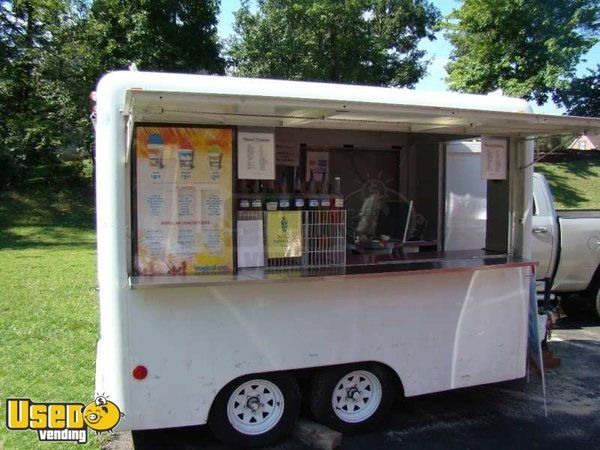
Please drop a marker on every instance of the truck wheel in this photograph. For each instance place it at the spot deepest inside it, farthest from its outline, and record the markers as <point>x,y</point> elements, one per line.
<point>598,303</point>
<point>255,411</point>
<point>352,399</point>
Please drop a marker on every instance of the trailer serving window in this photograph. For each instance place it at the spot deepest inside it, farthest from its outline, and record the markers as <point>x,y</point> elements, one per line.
<point>236,186</point>
<point>227,203</point>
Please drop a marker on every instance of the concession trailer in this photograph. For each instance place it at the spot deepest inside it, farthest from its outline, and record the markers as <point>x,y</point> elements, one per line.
<point>265,242</point>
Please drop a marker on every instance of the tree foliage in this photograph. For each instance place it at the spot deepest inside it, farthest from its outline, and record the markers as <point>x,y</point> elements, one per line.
<point>354,41</point>
<point>52,52</point>
<point>527,48</point>
<point>582,96</point>
<point>174,35</point>
<point>34,106</point>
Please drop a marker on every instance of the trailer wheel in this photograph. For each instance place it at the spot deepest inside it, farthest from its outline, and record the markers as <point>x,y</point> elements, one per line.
<point>353,399</point>
<point>255,411</point>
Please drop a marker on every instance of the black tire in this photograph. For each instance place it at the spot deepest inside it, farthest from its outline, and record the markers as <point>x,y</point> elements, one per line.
<point>335,379</point>
<point>226,431</point>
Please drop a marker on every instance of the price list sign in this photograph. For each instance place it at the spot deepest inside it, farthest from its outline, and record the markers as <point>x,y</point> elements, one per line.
<point>493,159</point>
<point>182,214</point>
<point>256,156</point>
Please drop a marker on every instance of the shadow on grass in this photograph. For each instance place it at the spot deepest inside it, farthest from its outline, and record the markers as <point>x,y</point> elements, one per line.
<point>562,190</point>
<point>46,218</point>
<point>44,237</point>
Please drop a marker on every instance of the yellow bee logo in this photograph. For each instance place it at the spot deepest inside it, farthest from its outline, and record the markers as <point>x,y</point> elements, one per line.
<point>102,415</point>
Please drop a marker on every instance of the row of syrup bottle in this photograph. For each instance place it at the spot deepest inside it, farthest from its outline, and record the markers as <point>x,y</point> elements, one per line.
<point>321,197</point>
<point>318,197</point>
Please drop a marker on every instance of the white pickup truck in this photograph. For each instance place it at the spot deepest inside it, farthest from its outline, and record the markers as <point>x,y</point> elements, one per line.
<point>567,246</point>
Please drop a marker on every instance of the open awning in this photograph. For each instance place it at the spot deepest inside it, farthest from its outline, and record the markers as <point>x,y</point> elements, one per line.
<point>173,98</point>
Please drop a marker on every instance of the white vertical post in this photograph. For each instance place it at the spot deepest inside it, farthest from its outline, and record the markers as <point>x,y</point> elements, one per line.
<point>521,179</point>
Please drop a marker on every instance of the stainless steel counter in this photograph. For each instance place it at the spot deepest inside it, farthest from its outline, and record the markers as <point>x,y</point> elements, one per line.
<point>358,266</point>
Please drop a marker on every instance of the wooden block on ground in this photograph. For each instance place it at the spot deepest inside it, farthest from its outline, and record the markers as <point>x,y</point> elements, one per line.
<point>550,361</point>
<point>316,435</point>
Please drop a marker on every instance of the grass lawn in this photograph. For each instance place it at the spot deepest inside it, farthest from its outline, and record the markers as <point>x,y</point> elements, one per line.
<point>575,184</point>
<point>48,308</point>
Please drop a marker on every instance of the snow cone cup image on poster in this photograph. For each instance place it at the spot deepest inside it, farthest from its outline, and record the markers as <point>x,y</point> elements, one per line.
<point>215,158</point>
<point>185,154</point>
<point>215,155</point>
<point>155,149</point>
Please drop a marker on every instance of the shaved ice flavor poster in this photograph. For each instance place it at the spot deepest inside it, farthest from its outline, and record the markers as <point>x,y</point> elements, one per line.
<point>183,200</point>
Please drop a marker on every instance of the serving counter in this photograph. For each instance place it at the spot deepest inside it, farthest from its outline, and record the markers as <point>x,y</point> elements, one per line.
<point>367,266</point>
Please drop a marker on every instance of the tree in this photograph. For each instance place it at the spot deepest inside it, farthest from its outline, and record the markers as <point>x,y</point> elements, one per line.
<point>582,96</point>
<point>31,107</point>
<point>52,52</point>
<point>354,41</point>
<point>174,35</point>
<point>527,48</point>
<point>156,35</point>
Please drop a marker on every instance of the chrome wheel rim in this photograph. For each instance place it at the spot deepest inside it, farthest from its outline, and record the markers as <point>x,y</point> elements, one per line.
<point>356,396</point>
<point>255,407</point>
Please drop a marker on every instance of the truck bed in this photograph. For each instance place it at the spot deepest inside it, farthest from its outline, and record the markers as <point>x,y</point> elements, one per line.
<point>577,213</point>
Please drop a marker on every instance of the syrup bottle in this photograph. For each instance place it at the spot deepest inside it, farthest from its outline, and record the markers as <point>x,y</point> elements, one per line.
<point>299,197</point>
<point>284,198</point>
<point>324,199</point>
<point>313,199</point>
<point>337,201</point>
<point>271,197</point>
<point>256,203</point>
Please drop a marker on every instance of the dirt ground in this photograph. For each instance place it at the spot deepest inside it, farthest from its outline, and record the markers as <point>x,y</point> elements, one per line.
<point>505,415</point>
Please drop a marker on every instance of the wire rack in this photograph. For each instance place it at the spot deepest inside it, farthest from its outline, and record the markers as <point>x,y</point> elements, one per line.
<point>324,234</point>
<point>322,240</point>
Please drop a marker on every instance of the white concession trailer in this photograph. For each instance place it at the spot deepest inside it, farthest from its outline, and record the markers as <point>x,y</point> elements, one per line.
<point>257,235</point>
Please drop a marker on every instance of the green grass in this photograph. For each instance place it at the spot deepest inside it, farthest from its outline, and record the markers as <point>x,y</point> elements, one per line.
<point>48,309</point>
<point>575,184</point>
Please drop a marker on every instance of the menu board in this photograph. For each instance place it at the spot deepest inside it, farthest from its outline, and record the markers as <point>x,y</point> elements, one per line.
<point>493,159</point>
<point>256,156</point>
<point>183,185</point>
